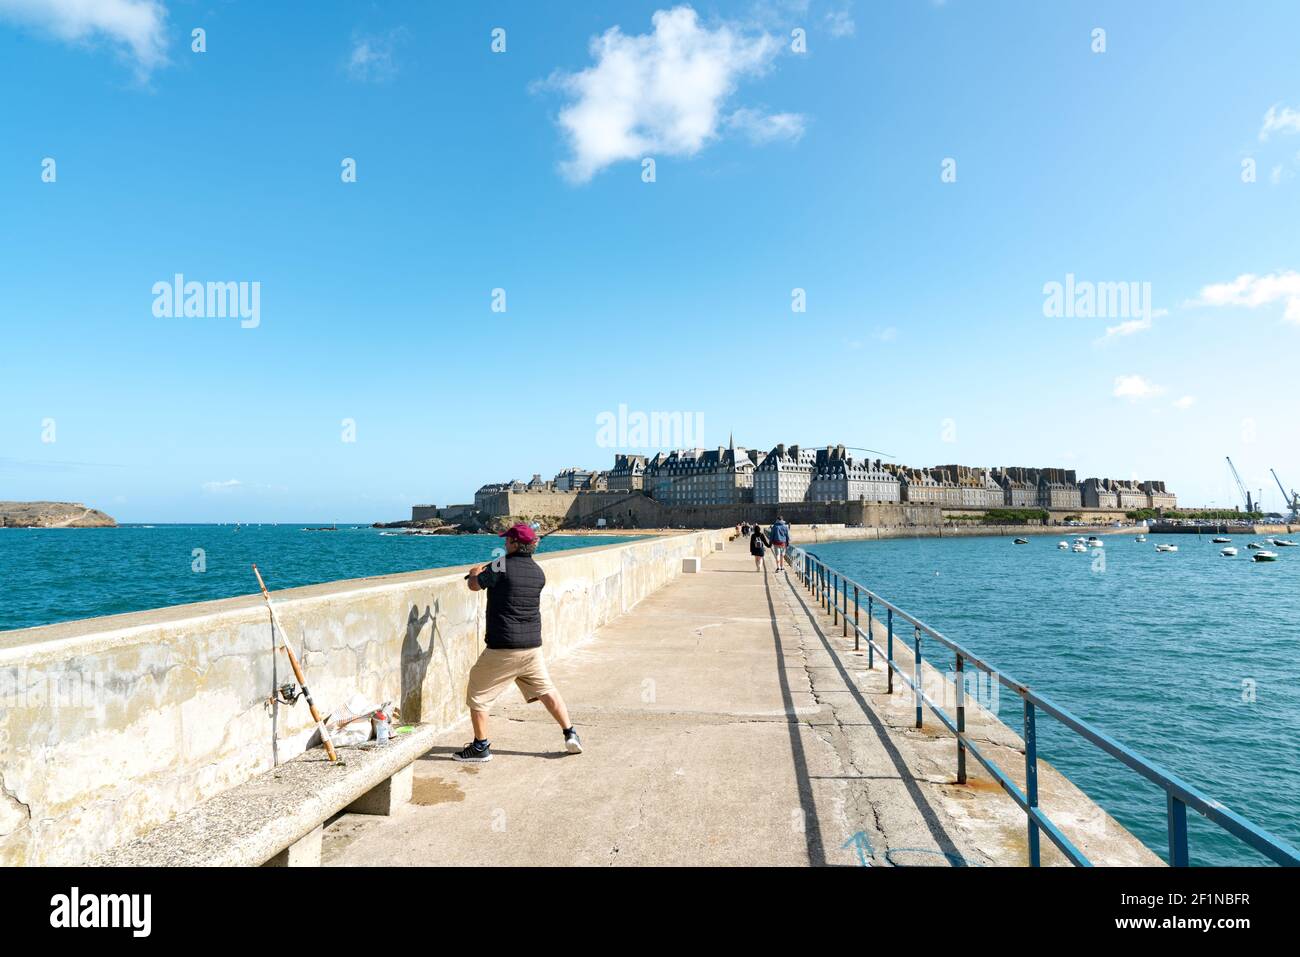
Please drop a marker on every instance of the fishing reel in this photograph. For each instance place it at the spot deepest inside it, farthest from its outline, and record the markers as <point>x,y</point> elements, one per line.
<point>288,693</point>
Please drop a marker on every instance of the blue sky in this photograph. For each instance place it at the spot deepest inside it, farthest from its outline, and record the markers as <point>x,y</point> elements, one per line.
<point>925,333</point>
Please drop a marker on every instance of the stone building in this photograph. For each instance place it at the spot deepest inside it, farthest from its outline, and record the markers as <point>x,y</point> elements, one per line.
<point>976,487</point>
<point>1129,494</point>
<point>929,487</point>
<point>1019,486</point>
<point>1097,493</point>
<point>628,473</point>
<point>1158,496</point>
<point>724,476</point>
<point>1058,488</point>
<point>784,475</point>
<point>573,480</point>
<point>838,477</point>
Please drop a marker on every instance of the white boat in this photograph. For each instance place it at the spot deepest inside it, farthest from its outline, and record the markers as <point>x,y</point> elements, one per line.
<point>1254,545</point>
<point>1140,538</point>
<point>1229,552</point>
<point>1265,556</point>
<point>1166,548</point>
<point>1282,542</point>
<point>1078,547</point>
<point>1062,544</point>
<point>1220,540</point>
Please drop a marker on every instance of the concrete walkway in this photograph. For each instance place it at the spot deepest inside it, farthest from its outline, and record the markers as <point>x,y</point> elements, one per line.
<point>725,722</point>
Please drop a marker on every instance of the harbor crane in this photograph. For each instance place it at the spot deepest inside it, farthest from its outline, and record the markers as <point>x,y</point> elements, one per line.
<point>1241,486</point>
<point>1292,500</point>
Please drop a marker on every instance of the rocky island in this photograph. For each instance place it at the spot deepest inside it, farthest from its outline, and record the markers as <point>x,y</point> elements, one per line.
<point>52,515</point>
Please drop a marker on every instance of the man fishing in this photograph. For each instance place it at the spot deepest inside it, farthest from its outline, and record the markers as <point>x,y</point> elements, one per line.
<point>514,642</point>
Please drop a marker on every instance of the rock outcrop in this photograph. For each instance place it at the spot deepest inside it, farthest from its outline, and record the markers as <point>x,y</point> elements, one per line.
<point>52,515</point>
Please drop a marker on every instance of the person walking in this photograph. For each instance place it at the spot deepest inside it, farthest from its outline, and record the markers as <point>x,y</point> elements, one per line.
<point>514,586</point>
<point>780,537</point>
<point>758,545</point>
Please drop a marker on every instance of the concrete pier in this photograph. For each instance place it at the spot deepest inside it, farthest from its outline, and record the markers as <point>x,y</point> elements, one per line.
<point>726,721</point>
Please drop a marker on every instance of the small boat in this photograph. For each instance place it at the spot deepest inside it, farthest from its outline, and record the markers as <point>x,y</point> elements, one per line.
<point>1095,543</point>
<point>1254,545</point>
<point>1063,545</point>
<point>1282,542</point>
<point>1140,538</point>
<point>1078,547</point>
<point>1229,552</point>
<point>1265,556</point>
<point>1220,540</point>
<point>1021,541</point>
<point>1166,548</point>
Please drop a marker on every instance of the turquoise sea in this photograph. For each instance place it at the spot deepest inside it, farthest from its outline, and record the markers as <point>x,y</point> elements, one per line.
<point>1190,658</point>
<point>59,574</point>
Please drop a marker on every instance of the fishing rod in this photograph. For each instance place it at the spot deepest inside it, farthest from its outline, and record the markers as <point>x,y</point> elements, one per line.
<point>297,670</point>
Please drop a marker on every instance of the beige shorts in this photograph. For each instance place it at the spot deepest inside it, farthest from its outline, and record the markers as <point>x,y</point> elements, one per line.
<point>497,667</point>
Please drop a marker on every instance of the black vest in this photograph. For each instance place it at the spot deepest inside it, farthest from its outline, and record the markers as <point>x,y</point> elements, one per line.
<point>514,605</point>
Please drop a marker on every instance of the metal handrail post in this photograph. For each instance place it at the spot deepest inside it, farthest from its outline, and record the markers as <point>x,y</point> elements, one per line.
<point>856,631</point>
<point>916,672</point>
<point>1177,832</point>
<point>1031,783</point>
<point>844,611</point>
<point>961,719</point>
<point>889,655</point>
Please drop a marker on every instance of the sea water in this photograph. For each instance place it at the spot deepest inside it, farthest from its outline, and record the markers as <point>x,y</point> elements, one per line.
<point>1189,658</point>
<point>58,574</point>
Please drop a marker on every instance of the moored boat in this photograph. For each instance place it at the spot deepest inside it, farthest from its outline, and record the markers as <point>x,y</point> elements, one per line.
<point>1220,540</point>
<point>1229,552</point>
<point>1166,548</point>
<point>1265,556</point>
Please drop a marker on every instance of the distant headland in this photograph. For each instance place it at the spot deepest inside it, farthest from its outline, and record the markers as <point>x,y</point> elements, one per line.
<point>53,515</point>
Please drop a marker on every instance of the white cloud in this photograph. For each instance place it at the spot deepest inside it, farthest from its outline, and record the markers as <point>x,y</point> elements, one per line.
<point>1135,387</point>
<point>887,334</point>
<point>373,58</point>
<point>840,24</point>
<point>765,127</point>
<point>136,27</point>
<point>1186,402</point>
<point>1132,326</point>
<point>1251,292</point>
<point>1127,328</point>
<point>229,485</point>
<point>663,93</point>
<point>1284,120</point>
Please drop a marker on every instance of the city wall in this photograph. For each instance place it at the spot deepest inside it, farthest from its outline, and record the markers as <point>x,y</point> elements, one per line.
<point>635,510</point>
<point>110,726</point>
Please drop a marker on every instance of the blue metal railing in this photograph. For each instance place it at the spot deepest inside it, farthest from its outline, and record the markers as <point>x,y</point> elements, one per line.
<point>831,589</point>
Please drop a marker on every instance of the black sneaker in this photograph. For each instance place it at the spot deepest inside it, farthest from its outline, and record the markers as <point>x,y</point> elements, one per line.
<point>572,744</point>
<point>473,754</point>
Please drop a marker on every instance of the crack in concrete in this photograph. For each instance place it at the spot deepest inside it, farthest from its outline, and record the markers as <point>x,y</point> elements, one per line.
<point>12,797</point>
<point>859,800</point>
